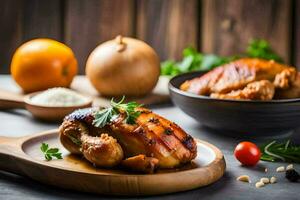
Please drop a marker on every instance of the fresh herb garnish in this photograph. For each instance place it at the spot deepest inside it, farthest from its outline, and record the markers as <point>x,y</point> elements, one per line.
<point>107,115</point>
<point>104,116</point>
<point>50,153</point>
<point>262,49</point>
<point>196,61</point>
<point>275,151</point>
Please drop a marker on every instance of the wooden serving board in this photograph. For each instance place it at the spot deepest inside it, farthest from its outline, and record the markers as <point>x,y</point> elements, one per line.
<point>23,156</point>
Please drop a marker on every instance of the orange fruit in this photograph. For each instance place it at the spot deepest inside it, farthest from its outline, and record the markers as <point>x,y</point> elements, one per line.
<point>40,64</point>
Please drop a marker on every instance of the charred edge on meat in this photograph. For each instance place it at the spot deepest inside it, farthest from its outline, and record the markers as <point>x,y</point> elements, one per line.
<point>82,115</point>
<point>168,131</point>
<point>188,142</point>
<point>153,120</point>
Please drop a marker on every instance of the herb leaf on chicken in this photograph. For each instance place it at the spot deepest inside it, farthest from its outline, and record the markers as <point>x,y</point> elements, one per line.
<point>107,115</point>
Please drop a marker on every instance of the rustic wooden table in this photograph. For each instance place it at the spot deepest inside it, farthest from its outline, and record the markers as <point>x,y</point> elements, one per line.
<point>16,123</point>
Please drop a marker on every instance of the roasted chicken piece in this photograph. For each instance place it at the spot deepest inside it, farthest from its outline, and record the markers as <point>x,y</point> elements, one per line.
<point>293,90</point>
<point>70,135</point>
<point>155,137</point>
<point>141,163</point>
<point>162,143</point>
<point>103,151</point>
<point>238,74</point>
<point>285,79</point>
<point>258,90</point>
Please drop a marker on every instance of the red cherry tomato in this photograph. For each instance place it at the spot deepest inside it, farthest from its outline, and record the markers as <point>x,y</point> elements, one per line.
<point>247,153</point>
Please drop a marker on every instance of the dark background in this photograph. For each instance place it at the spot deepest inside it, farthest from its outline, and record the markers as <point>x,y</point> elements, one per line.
<point>212,26</point>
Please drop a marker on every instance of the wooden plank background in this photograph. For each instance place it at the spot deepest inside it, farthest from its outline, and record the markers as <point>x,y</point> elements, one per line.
<point>212,26</point>
<point>229,24</point>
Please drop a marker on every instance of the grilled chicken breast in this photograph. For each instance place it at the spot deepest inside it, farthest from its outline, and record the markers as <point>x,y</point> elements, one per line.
<point>151,136</point>
<point>224,81</point>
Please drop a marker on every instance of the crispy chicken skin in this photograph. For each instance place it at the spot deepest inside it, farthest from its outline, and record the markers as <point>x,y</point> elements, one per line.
<point>70,135</point>
<point>292,92</point>
<point>258,90</point>
<point>285,79</point>
<point>141,163</point>
<point>238,74</point>
<point>103,151</point>
<point>153,136</point>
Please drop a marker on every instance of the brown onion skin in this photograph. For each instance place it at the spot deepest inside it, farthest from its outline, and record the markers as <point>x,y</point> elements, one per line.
<point>130,67</point>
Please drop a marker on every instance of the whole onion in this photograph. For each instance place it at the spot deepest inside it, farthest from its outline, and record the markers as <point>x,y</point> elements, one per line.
<point>123,66</point>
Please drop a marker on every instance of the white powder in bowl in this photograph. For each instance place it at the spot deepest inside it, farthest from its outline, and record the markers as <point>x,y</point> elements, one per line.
<point>60,97</point>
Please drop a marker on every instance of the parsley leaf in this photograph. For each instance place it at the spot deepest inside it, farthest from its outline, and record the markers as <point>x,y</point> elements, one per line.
<point>107,115</point>
<point>50,153</point>
<point>262,49</point>
<point>196,61</point>
<point>103,117</point>
<point>44,147</point>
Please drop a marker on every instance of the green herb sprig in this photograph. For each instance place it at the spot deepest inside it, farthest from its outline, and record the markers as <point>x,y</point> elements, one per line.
<point>107,115</point>
<point>262,49</point>
<point>50,153</point>
<point>197,61</point>
<point>285,152</point>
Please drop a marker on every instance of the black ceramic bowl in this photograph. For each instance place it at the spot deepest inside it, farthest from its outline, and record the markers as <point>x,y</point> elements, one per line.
<point>264,118</point>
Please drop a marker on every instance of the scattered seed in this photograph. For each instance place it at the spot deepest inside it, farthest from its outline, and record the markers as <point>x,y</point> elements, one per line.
<point>289,167</point>
<point>273,179</point>
<point>259,184</point>
<point>280,169</point>
<point>244,178</point>
<point>266,170</point>
<point>265,180</point>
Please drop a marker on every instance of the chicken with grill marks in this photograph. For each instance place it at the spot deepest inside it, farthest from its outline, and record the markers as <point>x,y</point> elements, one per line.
<point>151,142</point>
<point>247,78</point>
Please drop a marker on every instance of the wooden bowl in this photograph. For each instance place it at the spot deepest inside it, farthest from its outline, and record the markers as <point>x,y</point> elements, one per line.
<point>10,100</point>
<point>239,117</point>
<point>50,113</point>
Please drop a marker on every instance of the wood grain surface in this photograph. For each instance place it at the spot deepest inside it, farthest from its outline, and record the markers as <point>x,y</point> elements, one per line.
<point>168,26</point>
<point>228,25</point>
<point>42,19</point>
<point>89,23</point>
<point>10,31</point>
<point>296,43</point>
<point>23,156</point>
<point>213,26</point>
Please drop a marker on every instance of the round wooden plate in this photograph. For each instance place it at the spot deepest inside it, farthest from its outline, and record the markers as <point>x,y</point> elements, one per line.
<point>23,156</point>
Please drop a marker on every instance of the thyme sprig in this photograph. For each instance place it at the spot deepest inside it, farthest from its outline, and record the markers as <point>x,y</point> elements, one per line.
<point>107,115</point>
<point>285,152</point>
